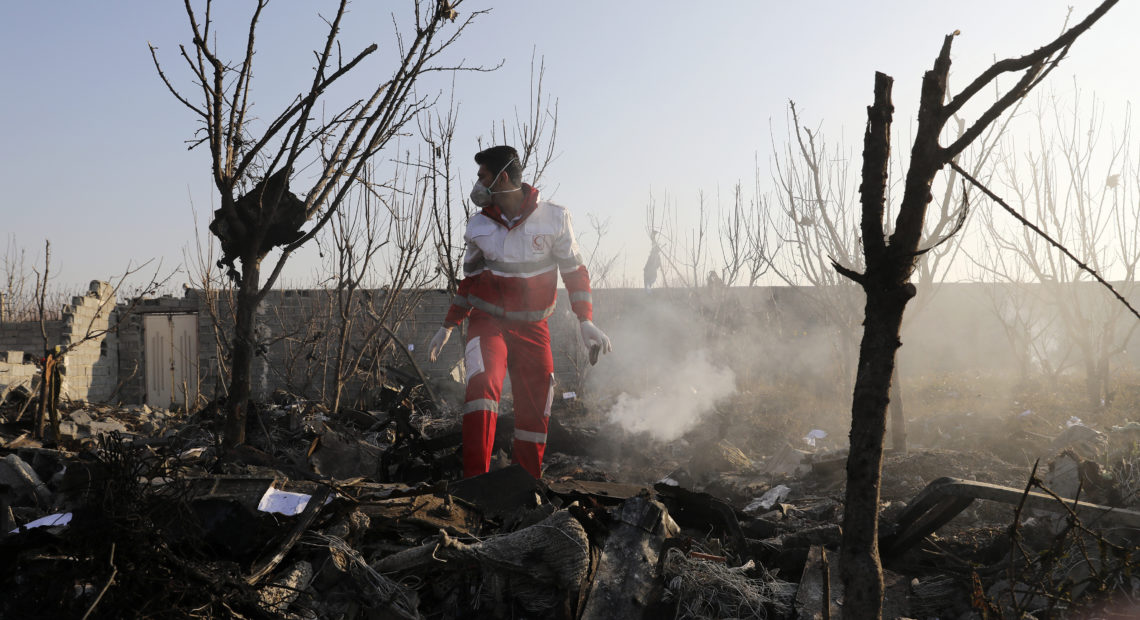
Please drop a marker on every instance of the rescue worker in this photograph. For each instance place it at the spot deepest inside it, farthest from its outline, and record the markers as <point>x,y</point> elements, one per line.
<point>516,246</point>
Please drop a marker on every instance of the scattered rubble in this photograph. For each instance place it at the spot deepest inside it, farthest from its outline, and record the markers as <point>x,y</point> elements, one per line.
<point>362,514</point>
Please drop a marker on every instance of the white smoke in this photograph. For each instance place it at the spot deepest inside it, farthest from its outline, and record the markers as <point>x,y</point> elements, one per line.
<point>686,393</point>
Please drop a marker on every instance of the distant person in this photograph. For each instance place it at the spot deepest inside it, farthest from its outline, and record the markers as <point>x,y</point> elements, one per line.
<point>515,247</point>
<point>653,264</point>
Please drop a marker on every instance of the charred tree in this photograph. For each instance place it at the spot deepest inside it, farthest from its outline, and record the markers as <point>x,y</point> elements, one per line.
<point>889,264</point>
<point>254,161</point>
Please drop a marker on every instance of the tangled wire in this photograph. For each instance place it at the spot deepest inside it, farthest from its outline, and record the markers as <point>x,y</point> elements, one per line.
<point>706,589</point>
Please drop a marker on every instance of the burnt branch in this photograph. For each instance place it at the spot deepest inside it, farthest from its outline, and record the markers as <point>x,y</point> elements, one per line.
<point>1035,65</point>
<point>851,274</point>
<point>169,86</point>
<point>876,162</point>
<point>1040,55</point>
<point>963,211</point>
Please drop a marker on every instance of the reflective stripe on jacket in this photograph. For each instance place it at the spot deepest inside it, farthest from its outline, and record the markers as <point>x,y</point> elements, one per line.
<point>510,269</point>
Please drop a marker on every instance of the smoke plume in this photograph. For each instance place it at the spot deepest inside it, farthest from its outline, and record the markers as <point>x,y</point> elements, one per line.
<point>676,404</point>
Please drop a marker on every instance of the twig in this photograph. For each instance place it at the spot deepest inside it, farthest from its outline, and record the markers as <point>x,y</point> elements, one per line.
<point>114,572</point>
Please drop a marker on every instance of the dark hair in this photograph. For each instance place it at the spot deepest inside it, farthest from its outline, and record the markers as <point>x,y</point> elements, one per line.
<point>496,157</point>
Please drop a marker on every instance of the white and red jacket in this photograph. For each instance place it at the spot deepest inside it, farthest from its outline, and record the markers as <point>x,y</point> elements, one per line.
<point>511,268</point>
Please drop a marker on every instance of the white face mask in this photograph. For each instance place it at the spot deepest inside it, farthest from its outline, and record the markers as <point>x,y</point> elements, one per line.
<point>482,196</point>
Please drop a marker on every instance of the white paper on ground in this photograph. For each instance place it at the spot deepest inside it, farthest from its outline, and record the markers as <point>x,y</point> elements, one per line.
<point>568,395</point>
<point>284,502</point>
<point>51,520</point>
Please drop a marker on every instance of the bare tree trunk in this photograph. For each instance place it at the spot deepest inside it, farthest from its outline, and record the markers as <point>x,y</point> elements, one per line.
<point>859,558</point>
<point>244,349</point>
<point>898,417</point>
<point>860,553</point>
<point>886,280</point>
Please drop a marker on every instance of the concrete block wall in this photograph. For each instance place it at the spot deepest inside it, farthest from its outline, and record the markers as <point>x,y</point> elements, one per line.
<point>299,331</point>
<point>26,336</point>
<point>90,369</point>
<point>14,372</point>
<point>774,331</point>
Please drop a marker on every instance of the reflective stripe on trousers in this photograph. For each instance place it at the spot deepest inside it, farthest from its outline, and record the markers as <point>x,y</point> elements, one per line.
<point>523,350</point>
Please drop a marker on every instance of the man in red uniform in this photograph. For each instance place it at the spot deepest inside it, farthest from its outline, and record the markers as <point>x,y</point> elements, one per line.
<point>516,246</point>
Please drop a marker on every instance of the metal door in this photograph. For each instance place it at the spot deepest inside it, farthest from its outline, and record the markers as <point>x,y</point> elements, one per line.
<point>171,359</point>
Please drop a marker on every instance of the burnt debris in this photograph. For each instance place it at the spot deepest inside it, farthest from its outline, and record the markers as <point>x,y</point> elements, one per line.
<point>270,207</point>
<point>135,512</point>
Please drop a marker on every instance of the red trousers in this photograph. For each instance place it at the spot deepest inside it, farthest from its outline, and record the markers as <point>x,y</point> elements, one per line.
<point>494,347</point>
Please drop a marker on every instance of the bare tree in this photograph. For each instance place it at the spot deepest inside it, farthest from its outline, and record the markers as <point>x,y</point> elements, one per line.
<point>744,247</point>
<point>380,245</point>
<point>1083,194</point>
<point>889,264</point>
<point>535,135</point>
<point>600,264</point>
<point>255,162</point>
<point>41,292</point>
<point>218,299</point>
<point>813,224</point>
<point>13,297</point>
<point>448,211</point>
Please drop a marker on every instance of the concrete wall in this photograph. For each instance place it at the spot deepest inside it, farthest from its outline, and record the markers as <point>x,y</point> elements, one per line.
<point>91,366</point>
<point>765,333</point>
<point>26,336</point>
<point>14,372</point>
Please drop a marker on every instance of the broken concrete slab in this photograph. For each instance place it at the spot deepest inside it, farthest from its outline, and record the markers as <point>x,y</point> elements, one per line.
<point>70,431</point>
<point>106,426</point>
<point>80,416</point>
<point>625,582</point>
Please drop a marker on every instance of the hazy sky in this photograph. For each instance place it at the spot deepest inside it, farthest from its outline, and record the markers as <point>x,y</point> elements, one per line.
<point>654,97</point>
